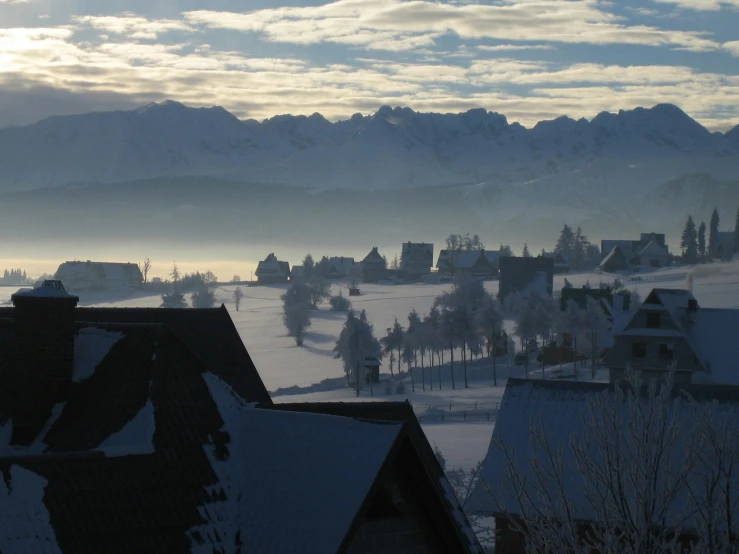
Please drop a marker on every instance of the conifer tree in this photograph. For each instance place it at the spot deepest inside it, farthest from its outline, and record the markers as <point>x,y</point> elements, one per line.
<point>689,242</point>
<point>702,239</point>
<point>580,245</point>
<point>713,235</point>
<point>526,253</point>
<point>565,242</point>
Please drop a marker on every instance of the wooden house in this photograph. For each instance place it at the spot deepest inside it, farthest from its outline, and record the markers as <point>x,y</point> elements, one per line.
<point>670,330</point>
<point>374,267</point>
<point>416,260</point>
<point>86,276</point>
<point>271,271</point>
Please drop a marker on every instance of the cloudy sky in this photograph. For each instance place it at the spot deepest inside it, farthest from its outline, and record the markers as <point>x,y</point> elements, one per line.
<point>527,59</point>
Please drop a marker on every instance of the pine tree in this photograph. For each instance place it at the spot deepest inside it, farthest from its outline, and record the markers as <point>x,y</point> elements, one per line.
<point>565,242</point>
<point>702,239</point>
<point>689,242</point>
<point>580,245</point>
<point>526,253</point>
<point>713,235</point>
<point>506,250</point>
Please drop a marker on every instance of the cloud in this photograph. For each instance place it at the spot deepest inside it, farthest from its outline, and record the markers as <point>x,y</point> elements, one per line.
<point>63,75</point>
<point>732,47</point>
<point>132,25</point>
<point>376,24</point>
<point>13,1</point>
<point>507,47</point>
<point>700,5</point>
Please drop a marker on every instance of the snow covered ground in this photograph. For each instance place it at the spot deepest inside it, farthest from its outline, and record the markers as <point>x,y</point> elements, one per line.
<point>459,421</point>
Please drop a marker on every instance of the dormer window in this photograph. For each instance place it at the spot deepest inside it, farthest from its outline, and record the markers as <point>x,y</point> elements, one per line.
<point>653,320</point>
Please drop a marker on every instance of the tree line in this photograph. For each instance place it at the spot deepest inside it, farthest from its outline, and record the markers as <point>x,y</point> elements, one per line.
<point>693,246</point>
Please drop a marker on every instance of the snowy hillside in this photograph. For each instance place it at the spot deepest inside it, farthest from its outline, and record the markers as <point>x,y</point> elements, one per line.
<point>389,149</point>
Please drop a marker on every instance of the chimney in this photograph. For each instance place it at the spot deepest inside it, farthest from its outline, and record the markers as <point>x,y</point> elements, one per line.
<point>43,358</point>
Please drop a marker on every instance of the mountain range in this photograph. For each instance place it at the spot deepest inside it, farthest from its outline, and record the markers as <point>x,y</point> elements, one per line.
<point>647,167</point>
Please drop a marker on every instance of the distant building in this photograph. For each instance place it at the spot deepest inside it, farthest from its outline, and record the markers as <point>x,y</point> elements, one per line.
<point>416,260</point>
<point>669,330</point>
<point>374,267</point>
<point>271,270</point>
<point>339,267</point>
<point>81,276</point>
<point>561,265</point>
<point>726,247</point>
<point>525,275</point>
<point>482,264</point>
<point>650,250</point>
<point>614,261</point>
<point>297,273</point>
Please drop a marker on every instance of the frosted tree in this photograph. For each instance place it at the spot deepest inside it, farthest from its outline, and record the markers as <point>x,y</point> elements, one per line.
<point>594,325</point>
<point>237,295</point>
<point>340,303</point>
<point>308,266</point>
<point>145,267</point>
<point>320,290</point>
<point>355,346</point>
<point>568,327</point>
<point>490,325</point>
<point>411,343</point>
<point>173,299</point>
<point>203,297</point>
<point>296,310</point>
<point>622,475</point>
<point>393,342</point>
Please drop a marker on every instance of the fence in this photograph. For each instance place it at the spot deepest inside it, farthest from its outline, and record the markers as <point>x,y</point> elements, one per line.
<point>477,411</point>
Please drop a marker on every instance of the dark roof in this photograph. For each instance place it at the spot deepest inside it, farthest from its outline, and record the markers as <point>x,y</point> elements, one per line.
<point>400,412</point>
<point>580,296</point>
<point>210,333</point>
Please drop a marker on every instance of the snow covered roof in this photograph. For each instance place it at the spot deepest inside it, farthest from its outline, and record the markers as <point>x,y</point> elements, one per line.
<point>653,248</point>
<point>713,336</point>
<point>373,257</point>
<point>615,256</point>
<point>468,259</point>
<point>561,407</point>
<point>340,265</point>
<point>271,266</point>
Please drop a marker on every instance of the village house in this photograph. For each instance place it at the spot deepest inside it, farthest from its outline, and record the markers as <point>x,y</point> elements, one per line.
<point>297,273</point>
<point>671,330</point>
<point>149,431</point>
<point>86,276</point>
<point>726,247</point>
<point>339,267</point>
<point>650,250</point>
<point>561,409</point>
<point>416,260</point>
<point>561,265</point>
<point>374,267</point>
<point>525,275</point>
<point>614,261</point>
<point>271,270</point>
<point>482,264</point>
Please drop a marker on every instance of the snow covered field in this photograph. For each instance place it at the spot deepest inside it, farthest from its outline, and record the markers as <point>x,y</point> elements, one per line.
<point>310,373</point>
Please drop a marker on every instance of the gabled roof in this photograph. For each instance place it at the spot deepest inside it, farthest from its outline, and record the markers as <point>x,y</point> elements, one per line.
<point>562,408</point>
<point>272,266</point>
<point>210,333</point>
<point>653,248</point>
<point>615,257</point>
<point>417,253</point>
<point>449,510</point>
<point>373,257</point>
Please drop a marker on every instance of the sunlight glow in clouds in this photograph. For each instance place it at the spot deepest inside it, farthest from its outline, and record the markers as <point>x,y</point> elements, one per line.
<point>527,59</point>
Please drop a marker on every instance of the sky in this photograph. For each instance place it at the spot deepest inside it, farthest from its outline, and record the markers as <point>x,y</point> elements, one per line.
<point>527,59</point>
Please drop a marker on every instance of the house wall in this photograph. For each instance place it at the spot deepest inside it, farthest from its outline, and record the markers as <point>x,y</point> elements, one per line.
<point>682,354</point>
<point>402,535</point>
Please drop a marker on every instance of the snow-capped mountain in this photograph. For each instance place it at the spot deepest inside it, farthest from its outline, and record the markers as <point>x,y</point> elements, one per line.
<point>393,148</point>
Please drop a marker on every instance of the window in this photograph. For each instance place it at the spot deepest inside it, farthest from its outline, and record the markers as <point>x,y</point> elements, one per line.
<point>665,351</point>
<point>638,350</point>
<point>653,320</point>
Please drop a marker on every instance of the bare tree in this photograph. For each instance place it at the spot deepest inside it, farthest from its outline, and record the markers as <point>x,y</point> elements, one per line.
<point>144,269</point>
<point>237,295</point>
<point>644,470</point>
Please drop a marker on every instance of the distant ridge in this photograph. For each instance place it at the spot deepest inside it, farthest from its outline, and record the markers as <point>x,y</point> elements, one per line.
<point>392,148</point>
